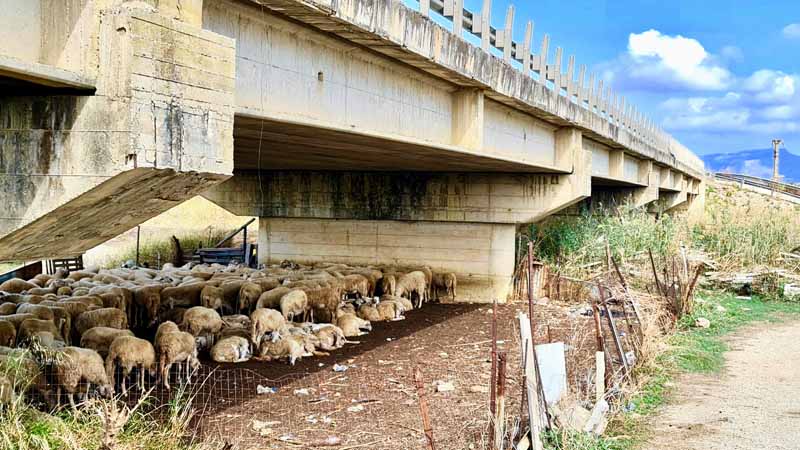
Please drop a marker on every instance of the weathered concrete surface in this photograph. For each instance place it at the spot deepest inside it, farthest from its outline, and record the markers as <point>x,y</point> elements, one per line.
<point>103,212</point>
<point>391,28</point>
<point>482,255</point>
<point>164,102</point>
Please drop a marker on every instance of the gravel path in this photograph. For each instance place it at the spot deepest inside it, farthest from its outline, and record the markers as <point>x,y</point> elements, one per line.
<point>753,404</point>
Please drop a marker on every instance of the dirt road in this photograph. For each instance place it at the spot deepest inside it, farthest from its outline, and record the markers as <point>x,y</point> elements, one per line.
<point>753,404</point>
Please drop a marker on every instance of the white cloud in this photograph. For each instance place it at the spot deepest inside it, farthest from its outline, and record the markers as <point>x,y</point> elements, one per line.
<point>769,86</point>
<point>656,60</point>
<point>792,31</point>
<point>732,53</point>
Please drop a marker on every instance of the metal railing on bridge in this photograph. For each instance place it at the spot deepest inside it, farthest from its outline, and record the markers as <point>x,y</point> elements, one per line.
<point>783,188</point>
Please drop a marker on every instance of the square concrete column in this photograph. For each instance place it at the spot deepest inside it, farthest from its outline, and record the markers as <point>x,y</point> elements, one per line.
<point>468,123</point>
<point>481,255</point>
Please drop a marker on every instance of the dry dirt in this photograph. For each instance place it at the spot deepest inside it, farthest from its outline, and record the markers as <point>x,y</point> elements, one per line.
<point>753,404</point>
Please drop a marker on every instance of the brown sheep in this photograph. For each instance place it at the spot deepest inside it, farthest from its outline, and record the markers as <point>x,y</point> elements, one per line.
<point>200,321</point>
<point>176,347</point>
<point>212,297</point>
<point>352,325</point>
<point>369,312</point>
<point>99,339</point>
<point>413,285</point>
<point>103,317</point>
<point>8,308</point>
<point>29,327</point>
<point>185,296</point>
<point>41,312</point>
<point>446,282</point>
<point>230,292</point>
<point>232,349</point>
<point>16,286</point>
<point>264,321</point>
<point>390,311</point>
<point>249,294</point>
<point>294,304</point>
<point>16,319</point>
<point>148,301</point>
<point>64,290</point>
<point>8,334</point>
<point>272,298</point>
<point>387,285</point>
<point>81,367</point>
<point>287,347</point>
<point>330,337</point>
<point>355,284</point>
<point>407,305</point>
<point>129,352</point>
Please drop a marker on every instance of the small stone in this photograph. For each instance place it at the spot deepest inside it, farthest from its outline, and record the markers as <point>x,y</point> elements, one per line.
<point>702,322</point>
<point>302,391</point>
<point>354,409</point>
<point>479,389</point>
<point>443,354</point>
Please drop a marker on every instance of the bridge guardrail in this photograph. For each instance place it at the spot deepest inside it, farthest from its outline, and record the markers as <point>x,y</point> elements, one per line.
<point>783,188</point>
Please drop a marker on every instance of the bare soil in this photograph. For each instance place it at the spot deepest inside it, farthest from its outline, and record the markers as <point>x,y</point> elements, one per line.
<point>752,404</point>
<point>374,404</point>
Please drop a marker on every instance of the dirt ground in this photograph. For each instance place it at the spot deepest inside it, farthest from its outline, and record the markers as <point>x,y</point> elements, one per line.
<point>752,404</point>
<point>373,404</point>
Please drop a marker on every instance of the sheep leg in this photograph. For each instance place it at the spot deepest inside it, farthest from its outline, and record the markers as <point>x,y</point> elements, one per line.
<point>71,400</point>
<point>165,374</point>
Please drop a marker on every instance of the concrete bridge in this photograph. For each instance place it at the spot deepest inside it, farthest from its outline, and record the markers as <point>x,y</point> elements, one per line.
<point>357,130</point>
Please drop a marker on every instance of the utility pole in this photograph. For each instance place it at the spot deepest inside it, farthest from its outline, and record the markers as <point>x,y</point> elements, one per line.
<point>776,143</point>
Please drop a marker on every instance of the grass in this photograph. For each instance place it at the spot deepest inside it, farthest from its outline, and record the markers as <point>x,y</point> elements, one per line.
<point>156,252</point>
<point>691,350</point>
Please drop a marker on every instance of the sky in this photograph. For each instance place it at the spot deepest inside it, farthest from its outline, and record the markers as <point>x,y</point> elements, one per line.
<point>720,76</point>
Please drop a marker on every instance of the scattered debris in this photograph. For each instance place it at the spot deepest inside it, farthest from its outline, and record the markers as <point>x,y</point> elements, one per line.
<point>444,386</point>
<point>598,421</point>
<point>479,389</point>
<point>265,390</point>
<point>340,368</point>
<point>702,322</point>
<point>791,291</point>
<point>303,391</point>
<point>356,408</point>
<point>553,370</point>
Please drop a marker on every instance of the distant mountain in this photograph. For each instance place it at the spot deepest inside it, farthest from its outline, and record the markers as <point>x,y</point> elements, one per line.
<point>757,163</point>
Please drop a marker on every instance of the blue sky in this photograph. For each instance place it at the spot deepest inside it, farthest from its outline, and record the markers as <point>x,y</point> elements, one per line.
<point>720,76</point>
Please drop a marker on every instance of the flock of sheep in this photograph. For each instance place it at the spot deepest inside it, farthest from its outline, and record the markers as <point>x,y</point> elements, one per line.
<point>79,324</point>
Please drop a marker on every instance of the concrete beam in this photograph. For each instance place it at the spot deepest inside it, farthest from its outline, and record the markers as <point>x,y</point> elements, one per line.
<point>468,121</point>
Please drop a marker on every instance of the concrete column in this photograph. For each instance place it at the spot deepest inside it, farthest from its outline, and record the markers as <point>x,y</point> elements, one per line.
<point>616,164</point>
<point>648,194</point>
<point>467,125</point>
<point>481,255</point>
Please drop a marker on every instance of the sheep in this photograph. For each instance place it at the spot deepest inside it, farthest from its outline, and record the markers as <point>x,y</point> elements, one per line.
<point>99,339</point>
<point>103,317</point>
<point>64,290</point>
<point>390,311</point>
<point>293,304</point>
<point>272,298</point>
<point>16,286</point>
<point>410,284</point>
<point>211,297</point>
<point>369,312</point>
<point>200,321</point>
<point>8,334</point>
<point>407,305</point>
<point>230,292</point>
<point>428,278</point>
<point>8,308</point>
<point>175,347</point>
<point>236,321</point>
<point>186,296</point>
<point>287,347</point>
<point>387,285</point>
<point>129,352</point>
<point>45,339</point>
<point>264,321</point>
<point>355,284</point>
<point>352,325</point>
<point>232,349</point>
<point>41,312</point>
<point>329,337</point>
<point>148,298</point>
<point>266,283</point>
<point>172,315</point>
<point>7,394</point>
<point>249,294</point>
<point>164,328</point>
<point>30,327</point>
<point>61,316</point>
<point>17,319</point>
<point>40,291</point>
<point>446,282</point>
<point>77,366</point>
<point>88,300</point>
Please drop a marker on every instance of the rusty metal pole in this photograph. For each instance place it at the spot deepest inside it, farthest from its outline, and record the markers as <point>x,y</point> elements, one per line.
<point>493,375</point>
<point>499,419</point>
<point>531,292</point>
<point>423,408</point>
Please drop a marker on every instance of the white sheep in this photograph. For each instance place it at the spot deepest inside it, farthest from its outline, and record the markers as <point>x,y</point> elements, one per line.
<point>444,282</point>
<point>287,347</point>
<point>413,284</point>
<point>272,298</point>
<point>200,321</point>
<point>352,325</point>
